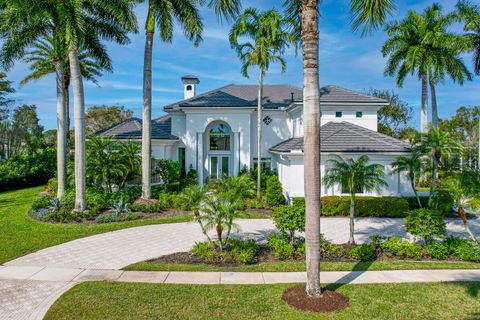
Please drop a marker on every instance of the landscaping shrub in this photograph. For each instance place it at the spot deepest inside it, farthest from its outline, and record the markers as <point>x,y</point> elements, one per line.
<point>170,171</point>
<point>428,224</point>
<point>52,185</point>
<point>468,251</point>
<point>393,207</point>
<point>165,199</point>
<point>235,251</point>
<point>256,203</point>
<point>289,219</point>
<point>401,248</point>
<point>283,248</point>
<point>364,252</point>
<point>274,192</point>
<point>153,207</point>
<point>127,195</point>
<point>413,203</point>
<point>110,217</point>
<point>437,250</point>
<point>331,251</point>
<point>42,202</point>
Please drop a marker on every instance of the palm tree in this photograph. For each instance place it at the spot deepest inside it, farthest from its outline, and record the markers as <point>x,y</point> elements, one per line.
<point>354,176</point>
<point>162,13</point>
<point>413,165</point>
<point>421,44</point>
<point>440,145</point>
<point>470,15</point>
<point>270,37</point>
<point>303,14</point>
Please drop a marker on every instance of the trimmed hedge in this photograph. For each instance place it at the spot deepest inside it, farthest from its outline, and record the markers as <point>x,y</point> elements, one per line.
<point>392,207</point>
<point>413,203</point>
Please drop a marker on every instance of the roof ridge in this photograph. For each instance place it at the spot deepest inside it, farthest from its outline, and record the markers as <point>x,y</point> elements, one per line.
<point>117,124</point>
<point>355,92</point>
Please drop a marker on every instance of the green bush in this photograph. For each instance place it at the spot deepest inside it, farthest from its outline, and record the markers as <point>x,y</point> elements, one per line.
<point>110,217</point>
<point>52,185</point>
<point>437,250</point>
<point>274,192</point>
<point>468,251</point>
<point>393,207</point>
<point>42,202</point>
<point>401,248</point>
<point>289,219</point>
<point>127,195</point>
<point>235,251</point>
<point>426,223</point>
<point>283,248</point>
<point>154,207</point>
<point>413,202</point>
<point>364,252</point>
<point>165,199</point>
<point>332,251</point>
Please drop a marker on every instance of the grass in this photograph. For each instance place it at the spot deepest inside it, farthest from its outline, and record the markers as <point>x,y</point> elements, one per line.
<point>21,235</point>
<point>104,300</point>
<point>300,266</point>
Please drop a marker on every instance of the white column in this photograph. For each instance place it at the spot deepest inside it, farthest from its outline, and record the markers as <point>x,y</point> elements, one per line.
<point>200,162</point>
<point>236,153</point>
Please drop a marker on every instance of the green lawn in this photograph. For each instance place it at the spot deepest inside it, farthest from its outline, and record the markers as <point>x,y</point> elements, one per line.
<point>104,300</point>
<point>21,235</point>
<point>300,266</point>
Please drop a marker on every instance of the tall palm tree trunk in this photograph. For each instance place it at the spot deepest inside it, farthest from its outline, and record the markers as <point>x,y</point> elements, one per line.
<point>67,109</point>
<point>61,130</point>
<point>259,138</point>
<point>433,96</point>
<point>147,109</point>
<point>351,239</point>
<point>79,123</point>
<point>311,132</point>
<point>424,111</point>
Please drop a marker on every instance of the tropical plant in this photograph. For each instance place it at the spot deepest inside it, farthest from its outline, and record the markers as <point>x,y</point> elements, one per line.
<point>394,117</point>
<point>413,166</point>
<point>236,188</point>
<point>428,224</point>
<point>129,156</point>
<point>421,44</point>
<point>354,176</point>
<point>303,14</point>
<point>469,13</point>
<point>162,14</point>
<point>119,209</point>
<point>289,220</point>
<point>192,198</point>
<point>269,34</point>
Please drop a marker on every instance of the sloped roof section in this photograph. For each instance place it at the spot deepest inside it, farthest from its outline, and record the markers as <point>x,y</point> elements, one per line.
<point>275,96</point>
<point>132,129</point>
<point>347,137</point>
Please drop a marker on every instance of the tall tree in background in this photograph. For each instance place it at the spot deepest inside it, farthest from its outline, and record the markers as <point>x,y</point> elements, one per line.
<point>469,13</point>
<point>269,34</point>
<point>102,117</point>
<point>162,14</point>
<point>394,117</point>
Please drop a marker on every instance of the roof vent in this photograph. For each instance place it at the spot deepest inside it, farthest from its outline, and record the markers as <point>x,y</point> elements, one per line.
<point>291,95</point>
<point>189,86</point>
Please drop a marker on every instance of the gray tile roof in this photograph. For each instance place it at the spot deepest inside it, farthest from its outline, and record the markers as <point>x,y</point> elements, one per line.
<point>275,96</point>
<point>347,137</point>
<point>132,129</point>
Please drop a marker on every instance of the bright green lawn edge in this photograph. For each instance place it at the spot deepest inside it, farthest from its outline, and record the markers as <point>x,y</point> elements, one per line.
<point>294,266</point>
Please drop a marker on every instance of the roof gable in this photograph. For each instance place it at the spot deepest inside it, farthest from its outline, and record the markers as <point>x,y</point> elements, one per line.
<point>131,129</point>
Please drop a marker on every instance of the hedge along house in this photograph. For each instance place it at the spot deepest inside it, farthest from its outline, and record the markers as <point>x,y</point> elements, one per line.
<point>215,133</point>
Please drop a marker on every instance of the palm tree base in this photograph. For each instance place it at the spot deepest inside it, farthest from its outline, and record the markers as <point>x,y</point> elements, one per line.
<point>329,301</point>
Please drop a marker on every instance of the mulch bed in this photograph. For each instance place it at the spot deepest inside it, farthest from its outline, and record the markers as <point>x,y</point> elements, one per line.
<point>329,301</point>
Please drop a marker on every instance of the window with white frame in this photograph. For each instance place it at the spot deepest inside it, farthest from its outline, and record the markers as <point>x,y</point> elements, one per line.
<point>265,162</point>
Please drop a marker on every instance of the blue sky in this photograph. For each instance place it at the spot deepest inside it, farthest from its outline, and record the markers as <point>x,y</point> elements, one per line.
<point>346,60</point>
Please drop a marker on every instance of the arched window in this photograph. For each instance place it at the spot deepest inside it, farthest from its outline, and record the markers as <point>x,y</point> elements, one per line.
<point>189,88</point>
<point>220,137</point>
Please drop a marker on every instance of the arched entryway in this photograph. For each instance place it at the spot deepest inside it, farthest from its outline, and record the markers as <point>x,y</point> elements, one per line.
<point>219,149</point>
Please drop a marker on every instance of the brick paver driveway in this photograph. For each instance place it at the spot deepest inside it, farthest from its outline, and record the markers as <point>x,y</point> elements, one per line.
<point>24,293</point>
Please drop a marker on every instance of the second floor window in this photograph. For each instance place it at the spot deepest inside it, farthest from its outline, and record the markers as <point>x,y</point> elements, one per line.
<point>338,114</point>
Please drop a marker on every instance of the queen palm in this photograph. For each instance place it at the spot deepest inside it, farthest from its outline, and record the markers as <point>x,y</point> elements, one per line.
<point>421,44</point>
<point>413,166</point>
<point>354,176</point>
<point>161,14</point>
<point>366,15</point>
<point>469,13</point>
<point>270,37</point>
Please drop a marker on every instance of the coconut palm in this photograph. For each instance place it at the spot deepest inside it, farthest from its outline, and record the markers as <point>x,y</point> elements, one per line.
<point>354,176</point>
<point>413,166</point>
<point>469,13</point>
<point>269,35</point>
<point>73,25</point>
<point>421,44</point>
<point>161,14</point>
<point>303,14</point>
<point>440,145</point>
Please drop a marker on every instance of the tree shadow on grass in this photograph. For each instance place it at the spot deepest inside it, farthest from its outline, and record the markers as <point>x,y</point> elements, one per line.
<point>358,269</point>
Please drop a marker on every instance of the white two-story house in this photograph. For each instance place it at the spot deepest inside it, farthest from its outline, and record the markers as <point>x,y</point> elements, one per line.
<point>215,133</point>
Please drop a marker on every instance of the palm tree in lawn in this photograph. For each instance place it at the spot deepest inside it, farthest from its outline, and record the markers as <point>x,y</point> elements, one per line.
<point>438,143</point>
<point>42,56</point>
<point>469,13</point>
<point>270,37</point>
<point>354,176</point>
<point>366,15</point>
<point>413,166</point>
<point>161,14</point>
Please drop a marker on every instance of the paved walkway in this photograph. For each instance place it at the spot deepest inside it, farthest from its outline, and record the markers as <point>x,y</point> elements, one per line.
<point>30,284</point>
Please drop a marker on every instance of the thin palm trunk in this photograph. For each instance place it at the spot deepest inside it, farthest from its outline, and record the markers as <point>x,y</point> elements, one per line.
<point>147,110</point>
<point>412,183</point>
<point>79,122</point>
<point>463,216</point>
<point>67,110</point>
<point>311,110</point>
<point>61,130</point>
<point>434,175</point>
<point>424,111</point>
<point>351,239</point>
<point>259,138</point>
<point>433,97</point>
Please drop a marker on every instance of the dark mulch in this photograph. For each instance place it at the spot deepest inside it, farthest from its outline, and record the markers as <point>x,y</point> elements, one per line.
<point>329,301</point>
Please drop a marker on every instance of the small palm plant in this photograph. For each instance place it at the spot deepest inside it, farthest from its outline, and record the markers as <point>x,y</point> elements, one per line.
<point>236,188</point>
<point>355,176</point>
<point>412,165</point>
<point>192,199</point>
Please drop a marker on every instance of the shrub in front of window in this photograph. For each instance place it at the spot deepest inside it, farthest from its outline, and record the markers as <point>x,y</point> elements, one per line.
<point>274,192</point>
<point>427,224</point>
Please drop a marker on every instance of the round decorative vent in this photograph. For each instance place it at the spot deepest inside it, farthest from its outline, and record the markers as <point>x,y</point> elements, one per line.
<point>267,120</point>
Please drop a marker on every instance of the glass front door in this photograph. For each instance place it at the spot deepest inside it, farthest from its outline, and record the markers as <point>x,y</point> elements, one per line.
<point>219,166</point>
